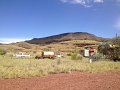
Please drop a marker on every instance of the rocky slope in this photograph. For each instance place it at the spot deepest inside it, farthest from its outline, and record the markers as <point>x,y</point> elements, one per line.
<point>65,37</point>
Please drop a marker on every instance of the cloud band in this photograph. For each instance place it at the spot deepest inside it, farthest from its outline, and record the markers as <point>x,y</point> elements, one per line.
<point>86,3</point>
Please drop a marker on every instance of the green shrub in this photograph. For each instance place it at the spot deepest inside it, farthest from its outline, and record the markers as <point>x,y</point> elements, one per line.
<point>110,52</point>
<point>69,54</point>
<point>104,48</point>
<point>47,49</point>
<point>76,56</point>
<point>98,56</point>
<point>2,52</point>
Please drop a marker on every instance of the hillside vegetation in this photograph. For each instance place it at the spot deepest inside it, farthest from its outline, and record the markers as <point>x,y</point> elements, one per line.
<point>64,46</point>
<point>66,42</point>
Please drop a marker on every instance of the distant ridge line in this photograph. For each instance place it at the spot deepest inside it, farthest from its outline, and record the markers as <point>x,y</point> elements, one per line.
<point>65,37</point>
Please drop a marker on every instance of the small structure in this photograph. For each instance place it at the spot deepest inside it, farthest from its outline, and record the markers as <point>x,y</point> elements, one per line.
<point>89,51</point>
<point>86,53</point>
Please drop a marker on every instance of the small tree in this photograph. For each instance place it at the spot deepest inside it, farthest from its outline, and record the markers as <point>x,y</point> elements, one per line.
<point>116,41</point>
<point>104,49</point>
<point>115,52</point>
<point>111,52</point>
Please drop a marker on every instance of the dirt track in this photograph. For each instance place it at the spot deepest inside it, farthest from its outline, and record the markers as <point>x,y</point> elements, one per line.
<point>73,81</point>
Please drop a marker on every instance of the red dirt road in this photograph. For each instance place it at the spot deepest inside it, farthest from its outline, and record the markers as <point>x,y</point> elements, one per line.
<point>73,81</point>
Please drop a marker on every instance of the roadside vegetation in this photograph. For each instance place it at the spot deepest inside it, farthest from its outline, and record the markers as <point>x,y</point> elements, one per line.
<point>25,68</point>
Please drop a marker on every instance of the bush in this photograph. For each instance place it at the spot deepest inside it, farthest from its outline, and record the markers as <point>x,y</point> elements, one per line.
<point>76,56</point>
<point>103,48</point>
<point>110,51</point>
<point>98,56</point>
<point>2,52</point>
<point>47,49</point>
<point>69,54</point>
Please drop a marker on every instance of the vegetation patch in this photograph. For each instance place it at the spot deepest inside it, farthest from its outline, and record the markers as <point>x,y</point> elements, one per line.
<point>24,68</point>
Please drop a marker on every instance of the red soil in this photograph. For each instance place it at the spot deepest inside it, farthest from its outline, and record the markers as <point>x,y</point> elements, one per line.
<point>73,81</point>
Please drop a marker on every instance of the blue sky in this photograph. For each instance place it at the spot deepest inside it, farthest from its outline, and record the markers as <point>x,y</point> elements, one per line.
<point>27,19</point>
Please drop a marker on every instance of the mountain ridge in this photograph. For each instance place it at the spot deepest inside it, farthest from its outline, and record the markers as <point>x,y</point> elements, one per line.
<point>65,37</point>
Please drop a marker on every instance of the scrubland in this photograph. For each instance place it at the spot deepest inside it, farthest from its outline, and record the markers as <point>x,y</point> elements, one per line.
<point>24,68</point>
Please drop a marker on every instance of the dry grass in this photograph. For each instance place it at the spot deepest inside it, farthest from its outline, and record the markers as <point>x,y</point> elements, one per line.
<point>24,68</point>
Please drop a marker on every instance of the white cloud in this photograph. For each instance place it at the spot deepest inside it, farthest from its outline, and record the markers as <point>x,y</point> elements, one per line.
<point>98,1</point>
<point>74,1</point>
<point>117,24</point>
<point>11,40</point>
<point>86,3</point>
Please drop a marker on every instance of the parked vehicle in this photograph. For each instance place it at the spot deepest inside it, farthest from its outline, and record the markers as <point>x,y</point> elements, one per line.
<point>22,55</point>
<point>46,54</point>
